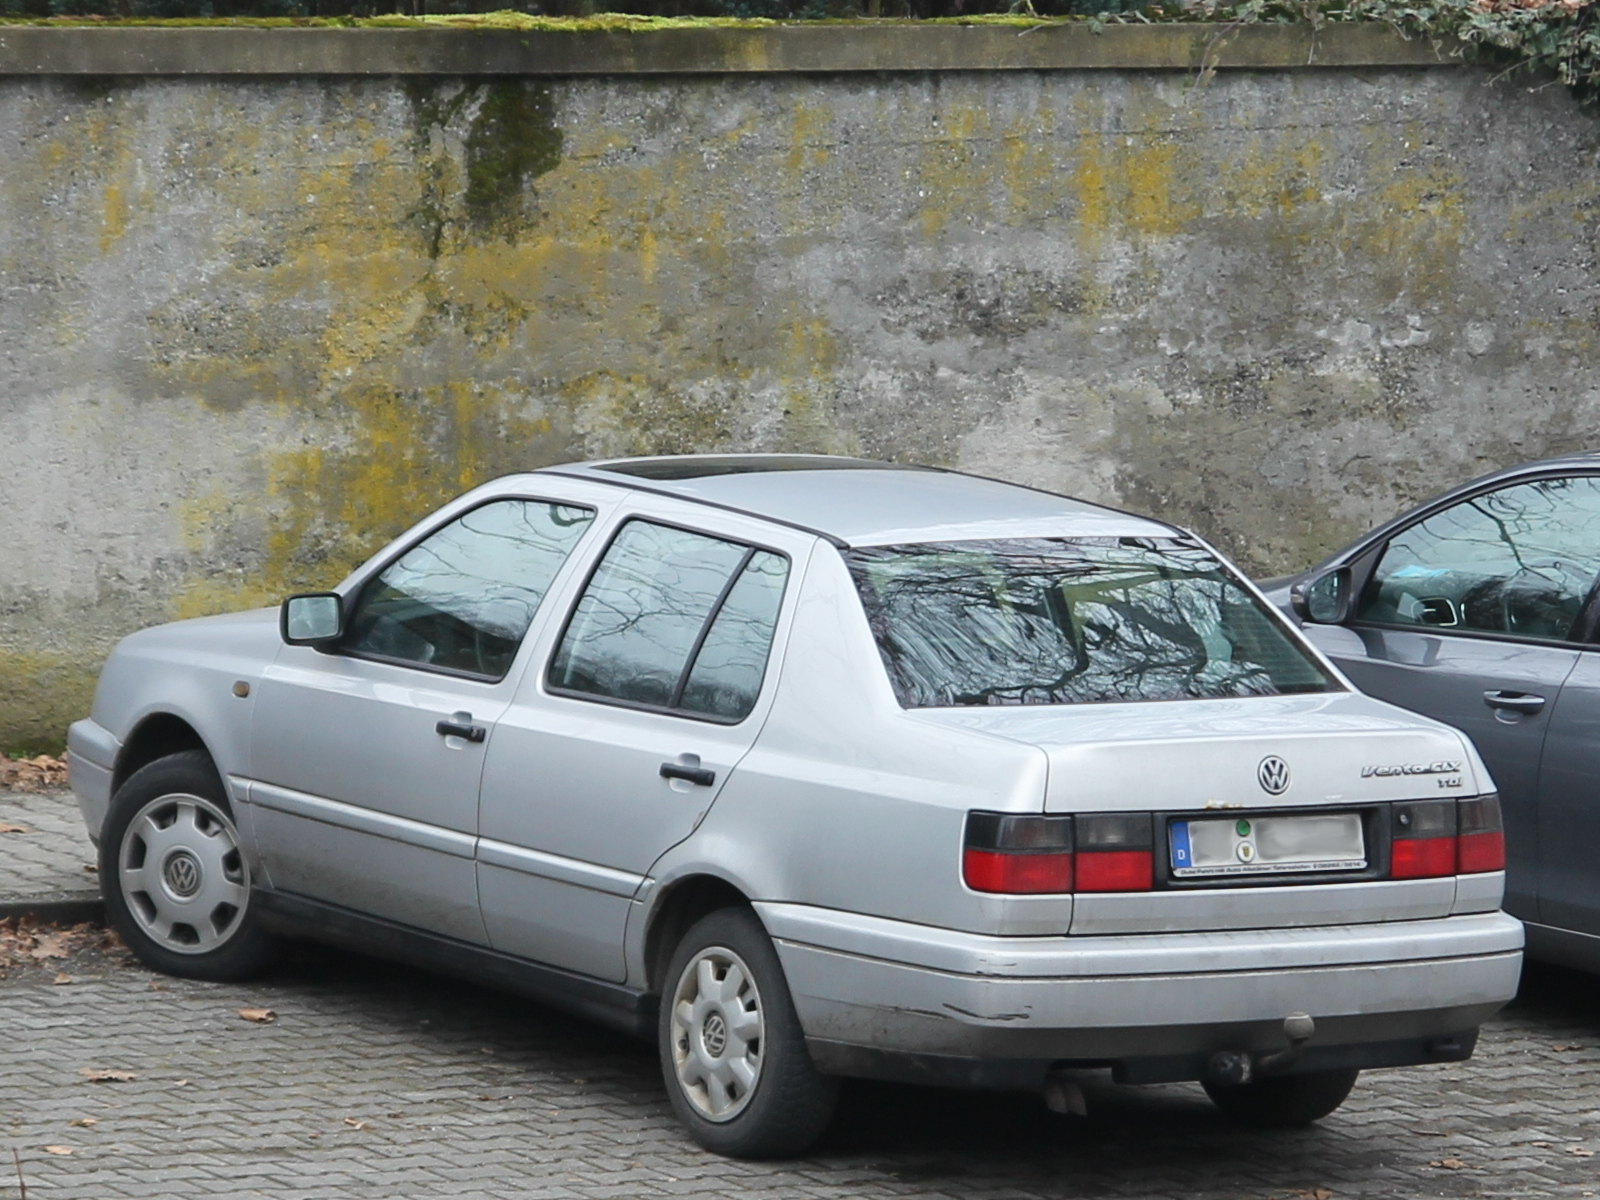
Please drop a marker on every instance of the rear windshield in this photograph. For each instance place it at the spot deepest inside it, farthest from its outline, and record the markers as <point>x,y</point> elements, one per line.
<point>1071,621</point>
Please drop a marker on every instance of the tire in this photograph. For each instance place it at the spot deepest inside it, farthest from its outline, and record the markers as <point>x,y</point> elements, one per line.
<point>732,1052</point>
<point>1284,1101</point>
<point>175,882</point>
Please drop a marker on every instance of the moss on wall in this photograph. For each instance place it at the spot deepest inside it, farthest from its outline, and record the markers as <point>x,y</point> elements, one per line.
<point>261,327</point>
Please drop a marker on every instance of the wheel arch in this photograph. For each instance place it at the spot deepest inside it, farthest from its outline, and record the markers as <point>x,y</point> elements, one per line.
<point>680,904</point>
<point>155,736</point>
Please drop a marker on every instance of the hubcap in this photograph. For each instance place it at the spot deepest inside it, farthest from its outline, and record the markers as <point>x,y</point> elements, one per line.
<point>181,874</point>
<point>717,1028</point>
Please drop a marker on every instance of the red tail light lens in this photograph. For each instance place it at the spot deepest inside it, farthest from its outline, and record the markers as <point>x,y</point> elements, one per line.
<point>1017,855</point>
<point>1481,842</point>
<point>1115,852</point>
<point>1424,839</point>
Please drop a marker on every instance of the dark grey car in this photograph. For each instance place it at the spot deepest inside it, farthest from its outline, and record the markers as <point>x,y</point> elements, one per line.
<point>1481,608</point>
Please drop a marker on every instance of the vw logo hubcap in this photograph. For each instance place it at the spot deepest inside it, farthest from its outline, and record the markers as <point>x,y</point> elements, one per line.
<point>715,1035</point>
<point>1273,775</point>
<point>182,874</point>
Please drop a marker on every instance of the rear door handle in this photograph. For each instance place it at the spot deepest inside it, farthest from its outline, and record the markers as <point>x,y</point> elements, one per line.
<point>461,729</point>
<point>701,775</point>
<point>1514,701</point>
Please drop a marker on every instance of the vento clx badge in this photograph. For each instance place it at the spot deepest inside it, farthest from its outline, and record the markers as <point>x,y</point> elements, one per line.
<point>1273,775</point>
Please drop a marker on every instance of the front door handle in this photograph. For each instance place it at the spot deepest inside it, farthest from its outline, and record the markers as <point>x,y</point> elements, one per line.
<point>1514,701</point>
<point>677,770</point>
<point>461,728</point>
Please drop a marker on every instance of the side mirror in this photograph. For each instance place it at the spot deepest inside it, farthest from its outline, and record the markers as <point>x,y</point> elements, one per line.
<point>1324,600</point>
<point>312,619</point>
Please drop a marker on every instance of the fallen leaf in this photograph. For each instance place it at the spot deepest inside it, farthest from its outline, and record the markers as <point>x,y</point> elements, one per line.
<point>1449,1164</point>
<point>181,1083</point>
<point>91,868</point>
<point>261,1016</point>
<point>51,945</point>
<point>1580,1151</point>
<point>1542,1145</point>
<point>1566,1046</point>
<point>7,827</point>
<point>106,1075</point>
<point>65,978</point>
<point>58,1149</point>
<point>357,1123</point>
<point>84,1122</point>
<point>1312,1193</point>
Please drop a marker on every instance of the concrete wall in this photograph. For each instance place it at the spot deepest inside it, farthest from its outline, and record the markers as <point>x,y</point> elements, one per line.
<point>251,327</point>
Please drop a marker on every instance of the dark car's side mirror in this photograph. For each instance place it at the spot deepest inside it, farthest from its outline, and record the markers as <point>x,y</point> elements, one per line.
<point>1324,600</point>
<point>312,619</point>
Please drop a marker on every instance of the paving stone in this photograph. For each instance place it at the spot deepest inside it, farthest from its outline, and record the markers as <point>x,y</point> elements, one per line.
<point>577,1113</point>
<point>49,859</point>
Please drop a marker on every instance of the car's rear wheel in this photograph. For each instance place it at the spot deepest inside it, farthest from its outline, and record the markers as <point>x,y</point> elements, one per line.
<point>1284,1101</point>
<point>732,1051</point>
<point>173,873</point>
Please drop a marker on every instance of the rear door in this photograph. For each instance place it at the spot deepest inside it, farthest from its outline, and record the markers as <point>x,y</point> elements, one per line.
<point>627,725</point>
<point>1471,616</point>
<point>1569,804</point>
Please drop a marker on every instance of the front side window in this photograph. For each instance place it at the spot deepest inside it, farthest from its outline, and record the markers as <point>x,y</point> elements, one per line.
<point>1071,621</point>
<point>1518,562</point>
<point>461,599</point>
<point>676,621</point>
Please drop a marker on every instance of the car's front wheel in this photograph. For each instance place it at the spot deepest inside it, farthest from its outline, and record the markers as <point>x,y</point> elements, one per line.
<point>732,1051</point>
<point>1284,1101</point>
<point>173,874</point>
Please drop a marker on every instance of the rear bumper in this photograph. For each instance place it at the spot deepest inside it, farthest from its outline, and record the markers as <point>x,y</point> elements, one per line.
<point>892,999</point>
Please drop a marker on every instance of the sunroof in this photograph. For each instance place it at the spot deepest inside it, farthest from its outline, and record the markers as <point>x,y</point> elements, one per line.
<point>701,466</point>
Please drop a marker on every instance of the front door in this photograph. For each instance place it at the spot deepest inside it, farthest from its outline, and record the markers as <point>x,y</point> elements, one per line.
<point>365,762</point>
<point>1469,617</point>
<point>614,752</point>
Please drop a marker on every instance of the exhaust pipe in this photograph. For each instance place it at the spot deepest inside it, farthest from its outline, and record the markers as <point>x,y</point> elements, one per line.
<point>1230,1068</point>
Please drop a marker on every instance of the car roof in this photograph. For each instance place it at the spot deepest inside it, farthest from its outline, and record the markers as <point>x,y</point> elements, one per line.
<point>861,502</point>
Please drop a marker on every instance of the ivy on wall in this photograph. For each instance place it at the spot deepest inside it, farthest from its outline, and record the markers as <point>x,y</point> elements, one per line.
<point>1556,37</point>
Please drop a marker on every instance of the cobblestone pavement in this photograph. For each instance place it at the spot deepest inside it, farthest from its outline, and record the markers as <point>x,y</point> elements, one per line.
<point>375,1081</point>
<point>48,854</point>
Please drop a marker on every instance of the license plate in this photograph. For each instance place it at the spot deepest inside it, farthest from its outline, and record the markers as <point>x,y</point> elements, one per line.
<point>1267,845</point>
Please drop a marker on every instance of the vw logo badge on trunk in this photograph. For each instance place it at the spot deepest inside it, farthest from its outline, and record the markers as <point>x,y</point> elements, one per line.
<point>1273,775</point>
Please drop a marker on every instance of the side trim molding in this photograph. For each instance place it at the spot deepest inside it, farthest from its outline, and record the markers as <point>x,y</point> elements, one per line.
<point>554,866</point>
<point>1564,947</point>
<point>364,820</point>
<point>621,1008</point>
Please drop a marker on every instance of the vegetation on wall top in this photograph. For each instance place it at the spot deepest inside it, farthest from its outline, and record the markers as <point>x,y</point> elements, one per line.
<point>1557,37</point>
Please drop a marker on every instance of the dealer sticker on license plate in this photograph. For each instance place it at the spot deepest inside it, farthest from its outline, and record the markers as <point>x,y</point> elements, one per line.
<point>1268,845</point>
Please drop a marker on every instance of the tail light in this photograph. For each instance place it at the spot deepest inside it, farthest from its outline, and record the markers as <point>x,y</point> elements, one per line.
<point>1447,837</point>
<point>1115,853</point>
<point>1481,842</point>
<point>1016,855</point>
<point>1424,839</point>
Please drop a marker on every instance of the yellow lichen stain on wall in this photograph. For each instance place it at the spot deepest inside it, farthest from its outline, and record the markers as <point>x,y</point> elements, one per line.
<point>39,685</point>
<point>954,175</point>
<point>114,222</point>
<point>1274,180</point>
<point>808,147</point>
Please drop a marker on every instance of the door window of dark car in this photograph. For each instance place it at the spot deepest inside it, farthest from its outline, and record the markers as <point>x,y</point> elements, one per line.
<point>1518,562</point>
<point>461,599</point>
<point>674,621</point>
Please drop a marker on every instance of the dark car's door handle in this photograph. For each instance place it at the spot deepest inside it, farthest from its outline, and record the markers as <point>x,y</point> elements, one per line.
<point>461,729</point>
<point>700,775</point>
<point>1514,701</point>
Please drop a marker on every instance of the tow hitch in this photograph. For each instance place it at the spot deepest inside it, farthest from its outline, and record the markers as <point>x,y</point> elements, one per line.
<point>1233,1067</point>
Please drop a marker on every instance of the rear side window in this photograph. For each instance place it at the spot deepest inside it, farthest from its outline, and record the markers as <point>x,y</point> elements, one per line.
<point>1518,562</point>
<point>674,621</point>
<point>461,599</point>
<point>1071,621</point>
